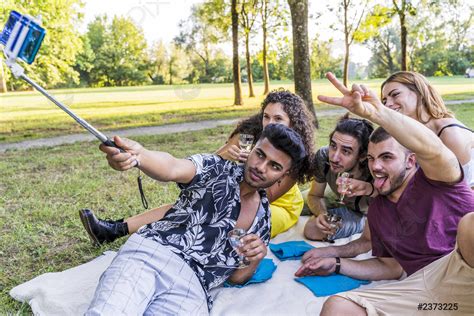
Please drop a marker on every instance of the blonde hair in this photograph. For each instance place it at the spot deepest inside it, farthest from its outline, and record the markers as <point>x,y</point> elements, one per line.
<point>427,97</point>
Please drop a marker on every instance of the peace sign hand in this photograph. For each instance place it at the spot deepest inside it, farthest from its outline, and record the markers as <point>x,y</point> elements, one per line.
<point>360,100</point>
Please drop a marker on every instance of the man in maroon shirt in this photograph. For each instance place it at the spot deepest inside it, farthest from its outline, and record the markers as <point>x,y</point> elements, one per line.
<point>422,208</point>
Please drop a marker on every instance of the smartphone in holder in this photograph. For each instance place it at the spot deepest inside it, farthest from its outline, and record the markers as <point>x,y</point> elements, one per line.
<point>22,37</point>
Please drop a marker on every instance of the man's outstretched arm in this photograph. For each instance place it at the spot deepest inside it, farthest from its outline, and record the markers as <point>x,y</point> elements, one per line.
<point>371,269</point>
<point>158,165</point>
<point>349,250</point>
<point>431,153</point>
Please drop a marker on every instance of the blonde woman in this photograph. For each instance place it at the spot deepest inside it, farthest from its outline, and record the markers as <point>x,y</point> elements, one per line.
<point>410,93</point>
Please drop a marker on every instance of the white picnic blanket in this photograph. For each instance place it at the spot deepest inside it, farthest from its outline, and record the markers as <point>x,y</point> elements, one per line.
<point>69,292</point>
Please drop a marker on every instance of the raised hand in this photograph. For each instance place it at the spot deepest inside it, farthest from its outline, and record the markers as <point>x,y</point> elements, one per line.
<point>232,153</point>
<point>122,160</point>
<point>359,100</point>
<point>355,187</point>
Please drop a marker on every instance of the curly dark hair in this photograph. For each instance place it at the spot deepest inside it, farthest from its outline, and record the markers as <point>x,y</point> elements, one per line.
<point>252,125</point>
<point>302,121</point>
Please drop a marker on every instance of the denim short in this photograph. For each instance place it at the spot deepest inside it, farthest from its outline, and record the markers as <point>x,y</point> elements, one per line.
<point>352,222</point>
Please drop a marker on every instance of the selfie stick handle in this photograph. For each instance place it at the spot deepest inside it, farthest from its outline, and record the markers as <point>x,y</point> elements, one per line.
<point>83,123</point>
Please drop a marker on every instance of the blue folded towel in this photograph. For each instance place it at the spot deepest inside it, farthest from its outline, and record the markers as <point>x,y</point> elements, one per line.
<point>290,250</point>
<point>263,273</point>
<point>331,284</point>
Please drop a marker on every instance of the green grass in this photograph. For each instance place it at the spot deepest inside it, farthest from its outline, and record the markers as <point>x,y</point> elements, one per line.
<point>29,115</point>
<point>42,190</point>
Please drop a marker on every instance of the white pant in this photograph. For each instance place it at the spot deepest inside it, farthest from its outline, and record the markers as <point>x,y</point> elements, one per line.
<point>146,278</point>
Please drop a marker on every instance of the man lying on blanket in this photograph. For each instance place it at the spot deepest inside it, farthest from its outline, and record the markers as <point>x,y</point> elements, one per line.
<point>168,267</point>
<point>423,205</point>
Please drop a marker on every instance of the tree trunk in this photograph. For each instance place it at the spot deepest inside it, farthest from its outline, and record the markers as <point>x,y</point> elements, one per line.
<point>249,66</point>
<point>266,77</point>
<point>301,61</point>
<point>403,41</point>
<point>345,76</point>
<point>235,55</point>
<point>171,73</point>
<point>388,54</point>
<point>3,80</point>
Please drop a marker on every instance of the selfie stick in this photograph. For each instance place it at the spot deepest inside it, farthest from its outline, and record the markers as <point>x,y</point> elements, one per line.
<point>24,36</point>
<point>18,72</point>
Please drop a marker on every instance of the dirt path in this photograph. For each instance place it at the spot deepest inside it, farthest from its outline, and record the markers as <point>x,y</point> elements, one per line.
<point>150,130</point>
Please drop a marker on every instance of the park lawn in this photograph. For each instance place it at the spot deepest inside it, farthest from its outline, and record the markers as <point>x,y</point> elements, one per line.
<point>43,189</point>
<point>29,115</point>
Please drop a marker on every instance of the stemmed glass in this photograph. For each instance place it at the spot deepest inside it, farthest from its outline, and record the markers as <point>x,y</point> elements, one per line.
<point>234,238</point>
<point>246,142</point>
<point>335,221</point>
<point>345,185</point>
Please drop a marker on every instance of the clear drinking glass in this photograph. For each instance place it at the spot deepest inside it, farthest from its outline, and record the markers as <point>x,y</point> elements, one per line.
<point>335,221</point>
<point>345,185</point>
<point>246,142</point>
<point>234,238</point>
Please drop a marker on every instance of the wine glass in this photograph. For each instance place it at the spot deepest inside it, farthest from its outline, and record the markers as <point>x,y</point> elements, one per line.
<point>246,142</point>
<point>234,238</point>
<point>335,221</point>
<point>345,185</point>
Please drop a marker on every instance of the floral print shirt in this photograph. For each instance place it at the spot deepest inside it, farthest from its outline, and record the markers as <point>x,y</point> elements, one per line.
<point>196,227</point>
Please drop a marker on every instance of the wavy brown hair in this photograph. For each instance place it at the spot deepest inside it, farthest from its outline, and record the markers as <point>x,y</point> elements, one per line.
<point>427,97</point>
<point>301,121</point>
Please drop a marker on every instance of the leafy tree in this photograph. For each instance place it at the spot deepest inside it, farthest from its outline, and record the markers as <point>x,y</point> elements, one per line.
<point>383,14</point>
<point>441,45</point>
<point>302,65</point>
<point>274,15</point>
<point>121,52</point>
<point>207,25</point>
<point>85,61</point>
<point>158,59</point>
<point>177,65</point>
<point>3,79</point>
<point>322,61</point>
<point>279,61</point>
<point>247,17</point>
<point>351,15</point>
<point>170,65</point>
<point>54,63</point>
<point>403,8</point>
<point>220,67</point>
<point>384,46</point>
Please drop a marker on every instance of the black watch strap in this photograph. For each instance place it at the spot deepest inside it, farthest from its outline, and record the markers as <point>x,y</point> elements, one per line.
<point>338,265</point>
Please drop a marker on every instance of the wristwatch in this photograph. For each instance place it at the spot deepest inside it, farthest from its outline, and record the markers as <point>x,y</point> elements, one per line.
<point>338,265</point>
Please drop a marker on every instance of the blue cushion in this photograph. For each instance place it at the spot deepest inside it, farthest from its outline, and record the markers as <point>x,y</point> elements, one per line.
<point>290,250</point>
<point>263,273</point>
<point>330,284</point>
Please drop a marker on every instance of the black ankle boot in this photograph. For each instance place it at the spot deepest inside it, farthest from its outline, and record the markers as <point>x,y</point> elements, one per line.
<point>102,231</point>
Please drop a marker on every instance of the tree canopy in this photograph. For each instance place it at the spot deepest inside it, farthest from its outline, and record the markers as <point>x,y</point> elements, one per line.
<point>432,37</point>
